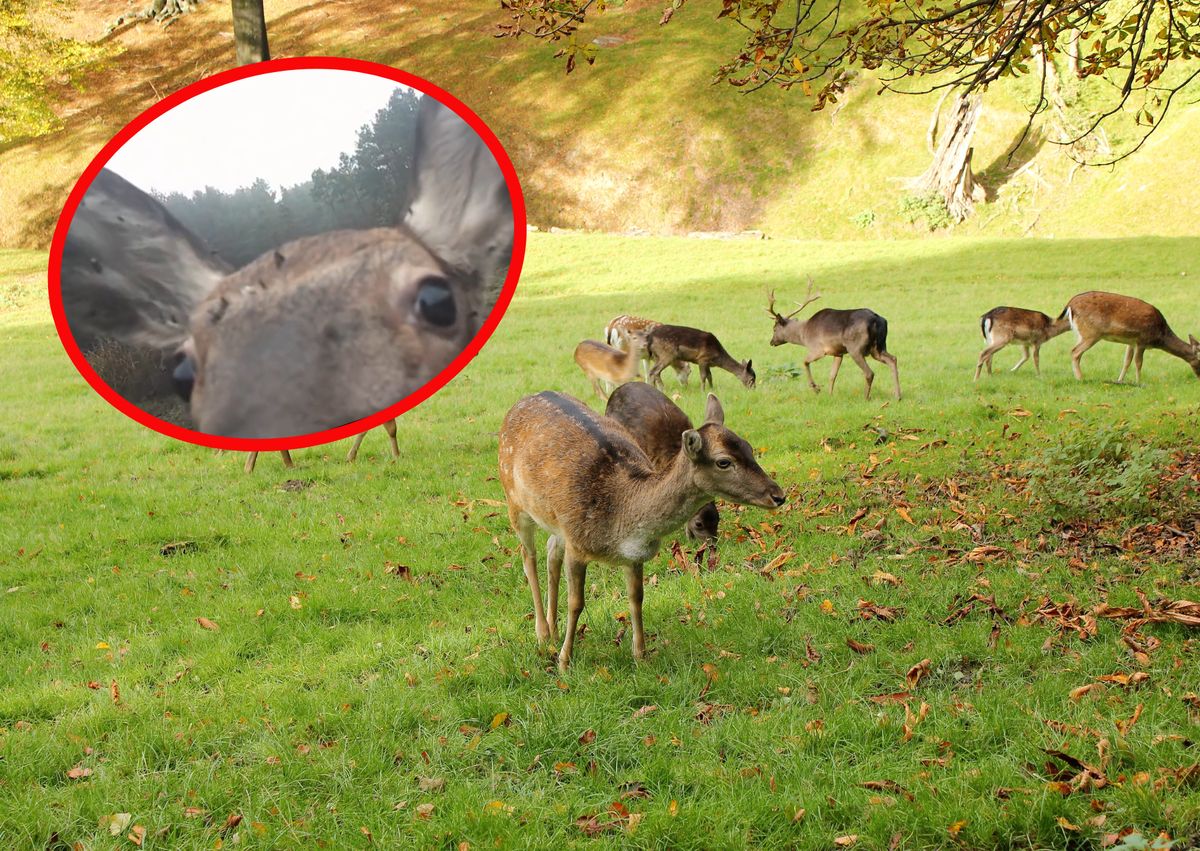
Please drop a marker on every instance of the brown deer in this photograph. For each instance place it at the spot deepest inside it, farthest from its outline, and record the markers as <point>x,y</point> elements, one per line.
<point>1096,316</point>
<point>1030,328</point>
<point>389,427</point>
<point>323,331</point>
<point>860,333</point>
<point>618,331</point>
<point>673,345</point>
<point>583,478</point>
<point>601,363</point>
<point>658,424</point>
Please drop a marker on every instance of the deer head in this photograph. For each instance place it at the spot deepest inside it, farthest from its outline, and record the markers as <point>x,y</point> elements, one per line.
<point>324,330</point>
<point>785,325</point>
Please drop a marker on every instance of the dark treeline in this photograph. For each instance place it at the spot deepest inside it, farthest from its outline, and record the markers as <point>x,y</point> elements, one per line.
<point>367,188</point>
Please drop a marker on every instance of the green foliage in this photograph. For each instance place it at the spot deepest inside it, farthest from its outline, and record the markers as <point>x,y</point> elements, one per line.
<point>1100,471</point>
<point>864,219</point>
<point>929,210</point>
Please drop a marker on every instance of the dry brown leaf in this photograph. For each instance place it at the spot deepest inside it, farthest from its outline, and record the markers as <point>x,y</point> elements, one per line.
<point>207,624</point>
<point>918,672</point>
<point>588,737</point>
<point>137,834</point>
<point>425,811</point>
<point>1078,693</point>
<point>859,647</point>
<point>643,711</point>
<point>846,841</point>
<point>78,772</point>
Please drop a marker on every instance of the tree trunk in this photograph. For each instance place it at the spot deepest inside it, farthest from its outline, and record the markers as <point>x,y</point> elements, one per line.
<point>949,175</point>
<point>250,31</point>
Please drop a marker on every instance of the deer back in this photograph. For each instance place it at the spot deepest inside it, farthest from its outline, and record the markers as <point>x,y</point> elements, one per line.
<point>1111,316</point>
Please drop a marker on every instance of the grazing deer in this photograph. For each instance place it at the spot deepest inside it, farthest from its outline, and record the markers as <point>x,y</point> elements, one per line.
<point>1096,316</point>
<point>389,427</point>
<point>618,331</point>
<point>1030,328</point>
<point>860,333</point>
<point>583,478</point>
<point>602,363</point>
<point>323,331</point>
<point>672,345</point>
<point>658,424</point>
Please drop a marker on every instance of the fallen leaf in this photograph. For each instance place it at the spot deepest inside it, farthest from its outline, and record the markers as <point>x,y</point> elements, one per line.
<point>588,737</point>
<point>499,719</point>
<point>136,834</point>
<point>645,710</point>
<point>207,624</point>
<point>114,692</point>
<point>424,810</point>
<point>957,827</point>
<point>846,841</point>
<point>78,772</point>
<point>918,672</point>
<point>231,822</point>
<point>431,784</point>
<point>859,647</point>
<point>117,822</point>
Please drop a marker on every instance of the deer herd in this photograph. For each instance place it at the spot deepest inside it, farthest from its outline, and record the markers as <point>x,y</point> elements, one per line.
<point>607,488</point>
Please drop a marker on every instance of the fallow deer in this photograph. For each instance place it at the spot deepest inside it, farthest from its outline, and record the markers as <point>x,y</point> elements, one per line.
<point>389,427</point>
<point>673,345</point>
<point>601,363</point>
<point>658,424</point>
<point>618,330</point>
<point>1096,316</point>
<point>860,333</point>
<point>323,331</point>
<point>1030,328</point>
<point>583,478</point>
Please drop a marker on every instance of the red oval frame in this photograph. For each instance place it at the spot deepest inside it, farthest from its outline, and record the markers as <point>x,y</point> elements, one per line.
<point>246,444</point>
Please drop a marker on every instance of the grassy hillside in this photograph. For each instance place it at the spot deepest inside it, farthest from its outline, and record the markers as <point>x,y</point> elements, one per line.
<point>641,140</point>
<point>340,654</point>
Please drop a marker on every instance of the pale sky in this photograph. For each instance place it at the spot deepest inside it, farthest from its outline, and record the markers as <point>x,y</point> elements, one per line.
<point>278,126</point>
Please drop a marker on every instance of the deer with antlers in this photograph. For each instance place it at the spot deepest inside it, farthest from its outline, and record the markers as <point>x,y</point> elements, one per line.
<point>1030,328</point>
<point>1096,316</point>
<point>859,333</point>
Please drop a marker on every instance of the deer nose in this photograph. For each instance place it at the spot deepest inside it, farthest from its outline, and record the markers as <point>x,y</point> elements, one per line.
<point>778,498</point>
<point>184,377</point>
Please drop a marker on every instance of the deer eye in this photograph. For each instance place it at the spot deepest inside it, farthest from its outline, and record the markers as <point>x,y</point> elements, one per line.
<point>724,464</point>
<point>435,302</point>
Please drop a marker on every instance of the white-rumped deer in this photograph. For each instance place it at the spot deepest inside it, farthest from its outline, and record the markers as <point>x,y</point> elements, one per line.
<point>658,424</point>
<point>325,330</point>
<point>1096,316</point>
<point>617,333</point>
<point>674,345</point>
<point>583,478</point>
<point>860,333</point>
<point>1030,328</point>
<point>601,363</point>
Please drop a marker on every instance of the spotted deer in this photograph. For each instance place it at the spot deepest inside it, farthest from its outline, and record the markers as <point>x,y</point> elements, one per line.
<point>672,345</point>
<point>1030,328</point>
<point>860,333</point>
<point>608,365</point>
<point>658,424</point>
<point>1096,316</point>
<point>583,478</point>
<point>322,331</point>
<point>618,331</point>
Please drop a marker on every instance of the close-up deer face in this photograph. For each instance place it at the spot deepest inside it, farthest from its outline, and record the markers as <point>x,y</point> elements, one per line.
<point>322,331</point>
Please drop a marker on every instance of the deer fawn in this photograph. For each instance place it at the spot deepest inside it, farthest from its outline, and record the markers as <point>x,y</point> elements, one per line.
<point>323,331</point>
<point>673,345</point>
<point>658,424</point>
<point>618,330</point>
<point>583,478</point>
<point>860,333</point>
<point>1096,316</point>
<point>602,363</point>
<point>1030,328</point>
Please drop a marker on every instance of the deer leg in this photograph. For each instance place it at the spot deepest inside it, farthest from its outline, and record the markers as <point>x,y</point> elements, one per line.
<point>390,428</point>
<point>287,458</point>
<point>985,358</point>
<point>353,453</point>
<point>808,360</point>
<point>1037,367</point>
<point>1077,352</point>
<point>635,589</point>
<point>251,460</point>
<point>867,374</point>
<point>554,560</point>
<point>837,364</point>
<point>890,360</point>
<point>655,376</point>
<point>576,578</point>
<point>1137,362</point>
<point>705,377</point>
<point>1128,360</point>
<point>524,527</point>
<point>683,372</point>
<point>1024,357</point>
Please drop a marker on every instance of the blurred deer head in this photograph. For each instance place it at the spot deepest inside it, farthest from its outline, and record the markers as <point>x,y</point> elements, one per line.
<point>322,331</point>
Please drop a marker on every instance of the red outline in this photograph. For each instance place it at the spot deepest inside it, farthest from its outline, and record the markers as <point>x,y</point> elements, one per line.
<point>316,438</point>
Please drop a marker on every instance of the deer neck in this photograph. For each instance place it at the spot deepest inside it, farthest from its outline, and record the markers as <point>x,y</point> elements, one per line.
<point>1172,344</point>
<point>659,504</point>
<point>796,331</point>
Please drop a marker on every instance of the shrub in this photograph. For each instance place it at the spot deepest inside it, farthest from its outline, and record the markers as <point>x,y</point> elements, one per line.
<point>930,209</point>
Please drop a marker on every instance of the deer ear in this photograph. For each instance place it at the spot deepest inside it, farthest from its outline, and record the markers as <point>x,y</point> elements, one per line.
<point>713,412</point>
<point>1195,343</point>
<point>693,444</point>
<point>461,207</point>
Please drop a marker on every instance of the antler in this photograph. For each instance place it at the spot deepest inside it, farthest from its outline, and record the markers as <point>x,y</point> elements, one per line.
<point>808,299</point>
<point>771,304</point>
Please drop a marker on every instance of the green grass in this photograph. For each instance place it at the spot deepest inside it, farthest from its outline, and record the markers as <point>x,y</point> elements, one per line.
<point>337,697</point>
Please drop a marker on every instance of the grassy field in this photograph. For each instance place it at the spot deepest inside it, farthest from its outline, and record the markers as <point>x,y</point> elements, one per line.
<point>340,655</point>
